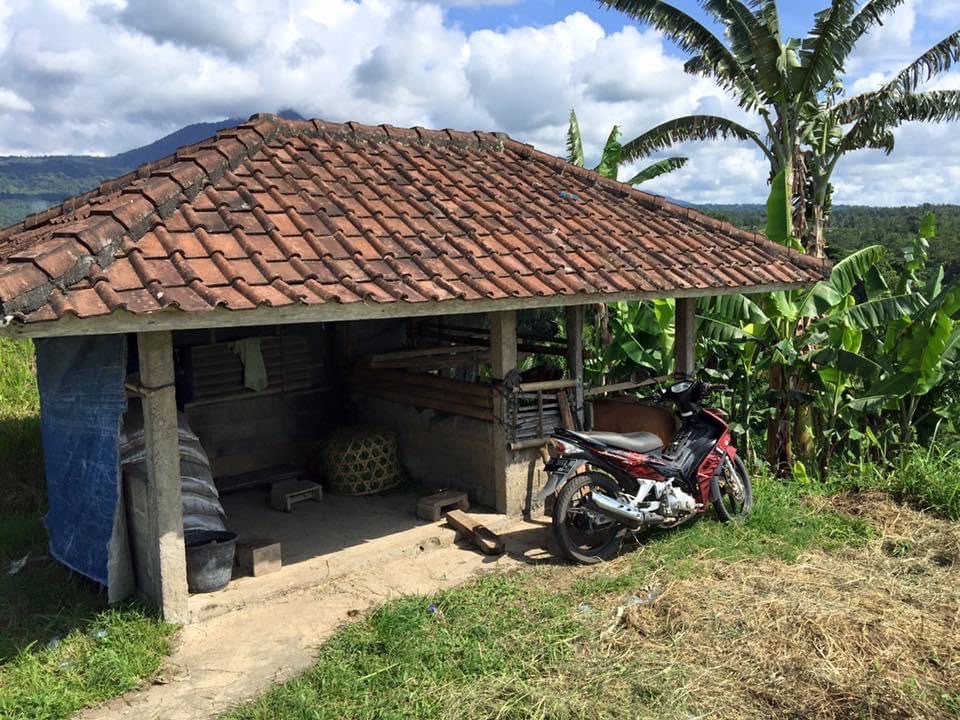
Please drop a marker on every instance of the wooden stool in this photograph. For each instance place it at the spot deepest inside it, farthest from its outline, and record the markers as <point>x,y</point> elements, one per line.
<point>284,495</point>
<point>433,507</point>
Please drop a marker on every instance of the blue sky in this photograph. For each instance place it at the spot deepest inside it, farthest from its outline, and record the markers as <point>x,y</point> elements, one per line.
<point>795,16</point>
<point>103,76</point>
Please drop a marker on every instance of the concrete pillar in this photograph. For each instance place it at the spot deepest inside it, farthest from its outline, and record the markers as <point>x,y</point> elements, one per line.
<point>510,482</point>
<point>163,572</point>
<point>685,343</point>
<point>575,357</point>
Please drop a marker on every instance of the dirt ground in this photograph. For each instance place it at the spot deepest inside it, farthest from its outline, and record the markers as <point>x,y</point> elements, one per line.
<point>231,657</point>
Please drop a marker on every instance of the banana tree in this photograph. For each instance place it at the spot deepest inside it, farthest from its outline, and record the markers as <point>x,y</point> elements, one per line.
<point>918,349</point>
<point>640,337</point>
<point>786,83</point>
<point>787,328</point>
<point>612,156</point>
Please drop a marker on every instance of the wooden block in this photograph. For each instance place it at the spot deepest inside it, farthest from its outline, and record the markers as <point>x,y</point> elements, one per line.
<point>432,507</point>
<point>284,495</point>
<point>481,536</point>
<point>259,557</point>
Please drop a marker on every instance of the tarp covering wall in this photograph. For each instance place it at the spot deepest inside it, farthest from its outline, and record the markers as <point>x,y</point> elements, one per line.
<point>82,401</point>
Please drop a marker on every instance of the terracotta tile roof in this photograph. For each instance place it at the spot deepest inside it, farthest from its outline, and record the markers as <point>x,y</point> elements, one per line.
<point>276,212</point>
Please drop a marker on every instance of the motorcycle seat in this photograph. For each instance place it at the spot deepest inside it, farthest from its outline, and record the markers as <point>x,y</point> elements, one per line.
<point>634,442</point>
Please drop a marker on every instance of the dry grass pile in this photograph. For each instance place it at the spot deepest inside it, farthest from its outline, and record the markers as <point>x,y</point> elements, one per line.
<point>872,632</point>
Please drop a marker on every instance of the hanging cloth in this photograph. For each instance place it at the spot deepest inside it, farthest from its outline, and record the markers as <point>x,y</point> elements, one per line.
<point>254,369</point>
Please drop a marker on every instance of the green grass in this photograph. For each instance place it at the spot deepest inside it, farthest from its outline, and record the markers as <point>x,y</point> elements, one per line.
<point>108,655</point>
<point>508,646</point>
<point>21,463</point>
<point>61,648</point>
<point>926,478</point>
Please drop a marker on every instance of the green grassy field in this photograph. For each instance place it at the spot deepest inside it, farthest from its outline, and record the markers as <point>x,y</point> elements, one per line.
<point>61,649</point>
<point>792,614</point>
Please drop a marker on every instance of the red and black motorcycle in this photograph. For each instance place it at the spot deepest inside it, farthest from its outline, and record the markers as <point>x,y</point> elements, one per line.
<point>609,484</point>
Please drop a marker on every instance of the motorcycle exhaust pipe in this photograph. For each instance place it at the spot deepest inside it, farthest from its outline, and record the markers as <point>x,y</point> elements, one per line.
<point>616,509</point>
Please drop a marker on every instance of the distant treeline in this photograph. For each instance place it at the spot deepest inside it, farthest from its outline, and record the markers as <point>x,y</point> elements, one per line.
<point>855,226</point>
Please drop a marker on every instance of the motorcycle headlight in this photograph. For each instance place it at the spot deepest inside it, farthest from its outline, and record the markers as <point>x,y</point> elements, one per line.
<point>681,387</point>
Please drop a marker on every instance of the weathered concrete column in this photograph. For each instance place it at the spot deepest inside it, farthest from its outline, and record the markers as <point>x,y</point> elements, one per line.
<point>164,579</point>
<point>575,356</point>
<point>685,342</point>
<point>509,476</point>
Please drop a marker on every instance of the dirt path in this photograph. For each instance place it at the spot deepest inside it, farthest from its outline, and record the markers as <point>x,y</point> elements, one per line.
<point>232,657</point>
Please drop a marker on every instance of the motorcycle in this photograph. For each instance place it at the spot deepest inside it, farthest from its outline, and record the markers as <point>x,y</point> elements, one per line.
<point>608,484</point>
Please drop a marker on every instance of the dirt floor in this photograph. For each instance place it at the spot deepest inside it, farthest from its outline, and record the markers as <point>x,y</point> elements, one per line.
<point>273,630</point>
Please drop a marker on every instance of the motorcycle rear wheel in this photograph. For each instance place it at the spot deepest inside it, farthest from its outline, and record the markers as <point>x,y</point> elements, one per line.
<point>584,535</point>
<point>736,492</point>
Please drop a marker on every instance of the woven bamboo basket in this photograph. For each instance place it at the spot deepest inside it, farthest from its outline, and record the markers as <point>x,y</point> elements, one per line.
<point>360,460</point>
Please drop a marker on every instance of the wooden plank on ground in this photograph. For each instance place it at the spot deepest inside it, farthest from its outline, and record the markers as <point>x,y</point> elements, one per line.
<point>481,536</point>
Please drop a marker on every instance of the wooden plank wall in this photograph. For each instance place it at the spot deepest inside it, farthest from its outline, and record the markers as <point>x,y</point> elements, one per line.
<point>243,430</point>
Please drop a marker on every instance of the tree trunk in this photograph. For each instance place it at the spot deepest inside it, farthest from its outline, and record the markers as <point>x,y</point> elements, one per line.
<point>815,242</point>
<point>779,445</point>
<point>803,442</point>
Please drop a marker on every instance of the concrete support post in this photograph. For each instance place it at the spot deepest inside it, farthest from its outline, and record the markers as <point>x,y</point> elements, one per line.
<point>164,579</point>
<point>509,479</point>
<point>575,315</point>
<point>685,343</point>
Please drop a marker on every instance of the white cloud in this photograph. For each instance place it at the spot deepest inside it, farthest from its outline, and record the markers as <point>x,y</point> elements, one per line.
<point>106,75</point>
<point>941,9</point>
<point>11,102</point>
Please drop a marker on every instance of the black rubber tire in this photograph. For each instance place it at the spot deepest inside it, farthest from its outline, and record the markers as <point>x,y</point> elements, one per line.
<point>611,540</point>
<point>727,513</point>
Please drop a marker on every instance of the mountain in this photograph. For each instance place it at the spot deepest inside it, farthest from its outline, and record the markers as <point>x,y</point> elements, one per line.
<point>31,184</point>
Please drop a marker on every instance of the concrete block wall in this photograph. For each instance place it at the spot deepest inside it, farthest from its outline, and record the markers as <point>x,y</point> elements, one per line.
<point>438,450</point>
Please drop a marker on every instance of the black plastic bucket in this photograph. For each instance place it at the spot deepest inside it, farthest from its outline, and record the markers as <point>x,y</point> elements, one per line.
<point>209,559</point>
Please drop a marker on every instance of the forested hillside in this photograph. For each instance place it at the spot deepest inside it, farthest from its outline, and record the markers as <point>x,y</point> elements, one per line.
<point>855,226</point>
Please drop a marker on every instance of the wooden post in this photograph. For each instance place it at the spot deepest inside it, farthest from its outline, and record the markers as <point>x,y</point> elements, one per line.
<point>165,574</point>
<point>575,357</point>
<point>685,343</point>
<point>509,488</point>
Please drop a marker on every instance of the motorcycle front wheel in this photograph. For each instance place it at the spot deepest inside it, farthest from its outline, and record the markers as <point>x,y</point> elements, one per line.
<point>583,534</point>
<point>736,491</point>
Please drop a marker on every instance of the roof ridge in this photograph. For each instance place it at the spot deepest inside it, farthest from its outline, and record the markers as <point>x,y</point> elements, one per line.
<point>659,202</point>
<point>130,206</point>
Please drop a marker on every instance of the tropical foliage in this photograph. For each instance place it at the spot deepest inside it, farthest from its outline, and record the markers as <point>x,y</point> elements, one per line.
<point>792,86</point>
<point>612,156</point>
<point>851,368</point>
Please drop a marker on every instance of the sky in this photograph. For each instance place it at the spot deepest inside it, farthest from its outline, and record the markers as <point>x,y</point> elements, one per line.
<point>103,76</point>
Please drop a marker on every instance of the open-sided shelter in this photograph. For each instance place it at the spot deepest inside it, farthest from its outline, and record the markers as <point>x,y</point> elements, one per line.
<point>328,242</point>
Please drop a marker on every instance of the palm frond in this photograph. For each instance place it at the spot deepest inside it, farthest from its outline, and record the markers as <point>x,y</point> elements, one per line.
<point>753,45</point>
<point>574,141</point>
<point>693,37</point>
<point>660,167</point>
<point>934,61</point>
<point>742,26</point>
<point>929,106</point>
<point>873,128</point>
<point>610,160</point>
<point>829,42</point>
<point>871,14</point>
<point>937,59</point>
<point>689,127</point>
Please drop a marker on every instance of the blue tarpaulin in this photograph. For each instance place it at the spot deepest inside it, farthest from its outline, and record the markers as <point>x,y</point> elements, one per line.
<point>82,401</point>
